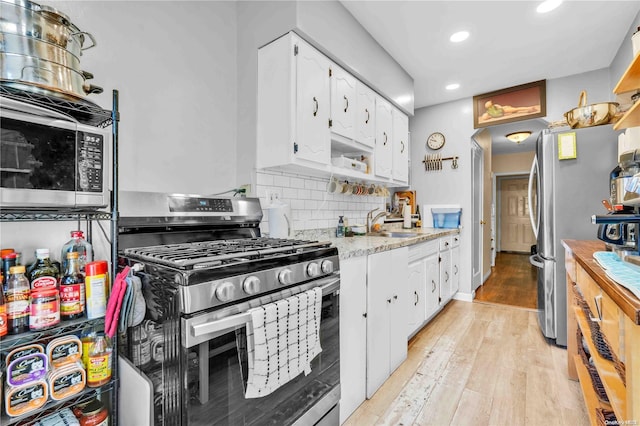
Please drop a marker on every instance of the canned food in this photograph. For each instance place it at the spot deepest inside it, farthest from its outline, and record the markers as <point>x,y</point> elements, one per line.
<point>44,309</point>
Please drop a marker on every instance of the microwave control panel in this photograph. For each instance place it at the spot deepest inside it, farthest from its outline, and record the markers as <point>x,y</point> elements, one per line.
<point>90,157</point>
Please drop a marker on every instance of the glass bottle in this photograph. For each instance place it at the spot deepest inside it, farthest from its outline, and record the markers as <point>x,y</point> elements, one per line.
<point>43,273</point>
<point>72,289</point>
<point>99,365</point>
<point>9,259</point>
<point>87,337</point>
<point>17,301</point>
<point>3,315</point>
<point>78,244</point>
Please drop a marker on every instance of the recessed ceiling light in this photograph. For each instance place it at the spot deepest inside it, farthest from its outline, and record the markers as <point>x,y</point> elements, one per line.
<point>452,86</point>
<point>459,36</point>
<point>548,6</point>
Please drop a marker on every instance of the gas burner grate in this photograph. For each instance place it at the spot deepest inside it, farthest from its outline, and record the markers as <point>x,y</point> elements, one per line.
<point>214,253</point>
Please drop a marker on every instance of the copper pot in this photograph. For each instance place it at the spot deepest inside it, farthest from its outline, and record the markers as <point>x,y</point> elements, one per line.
<point>591,115</point>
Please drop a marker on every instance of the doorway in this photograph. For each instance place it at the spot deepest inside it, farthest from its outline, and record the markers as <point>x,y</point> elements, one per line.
<point>515,233</point>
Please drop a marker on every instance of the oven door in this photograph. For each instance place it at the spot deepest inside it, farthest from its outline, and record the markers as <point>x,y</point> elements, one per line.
<point>218,397</point>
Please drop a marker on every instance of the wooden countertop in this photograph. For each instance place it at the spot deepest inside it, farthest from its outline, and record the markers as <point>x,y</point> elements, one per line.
<point>583,251</point>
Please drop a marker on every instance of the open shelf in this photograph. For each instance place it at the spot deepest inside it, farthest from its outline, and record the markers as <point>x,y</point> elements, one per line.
<point>590,398</point>
<point>631,118</point>
<point>630,80</point>
<point>616,390</point>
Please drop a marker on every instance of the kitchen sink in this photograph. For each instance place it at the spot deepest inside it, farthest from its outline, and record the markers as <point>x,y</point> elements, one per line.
<point>390,234</point>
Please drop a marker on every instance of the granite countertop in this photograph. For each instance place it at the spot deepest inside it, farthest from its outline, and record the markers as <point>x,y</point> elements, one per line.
<point>363,245</point>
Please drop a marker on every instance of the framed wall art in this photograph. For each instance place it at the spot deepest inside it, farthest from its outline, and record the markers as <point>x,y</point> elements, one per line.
<point>517,103</point>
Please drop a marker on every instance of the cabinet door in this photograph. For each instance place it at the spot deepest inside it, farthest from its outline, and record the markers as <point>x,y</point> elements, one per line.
<point>455,270</point>
<point>400,169</point>
<point>365,115</point>
<point>384,138</point>
<point>379,280</point>
<point>445,276</point>
<point>398,307</point>
<point>432,265</point>
<point>312,105</point>
<point>417,283</point>
<point>353,334</point>
<point>343,102</point>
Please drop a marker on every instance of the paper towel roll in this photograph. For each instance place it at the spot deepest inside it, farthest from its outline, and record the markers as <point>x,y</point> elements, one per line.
<point>279,220</point>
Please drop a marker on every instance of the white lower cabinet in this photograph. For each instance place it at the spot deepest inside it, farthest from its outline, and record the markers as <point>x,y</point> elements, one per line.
<point>387,276</point>
<point>353,334</point>
<point>455,265</point>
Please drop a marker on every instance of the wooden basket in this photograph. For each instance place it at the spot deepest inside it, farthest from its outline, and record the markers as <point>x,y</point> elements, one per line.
<point>606,417</point>
<point>598,387</point>
<point>596,335</point>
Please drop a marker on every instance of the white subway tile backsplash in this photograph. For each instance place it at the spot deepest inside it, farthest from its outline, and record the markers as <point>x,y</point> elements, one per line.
<point>312,207</point>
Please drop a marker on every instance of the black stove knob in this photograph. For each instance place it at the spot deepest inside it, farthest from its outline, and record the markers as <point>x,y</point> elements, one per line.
<point>251,285</point>
<point>327,266</point>
<point>313,269</point>
<point>285,276</point>
<point>225,291</point>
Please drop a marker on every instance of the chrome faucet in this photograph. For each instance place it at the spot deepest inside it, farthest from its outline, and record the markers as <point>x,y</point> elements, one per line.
<point>371,221</point>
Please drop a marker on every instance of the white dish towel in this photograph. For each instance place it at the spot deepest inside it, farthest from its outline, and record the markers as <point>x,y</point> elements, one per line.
<point>283,337</point>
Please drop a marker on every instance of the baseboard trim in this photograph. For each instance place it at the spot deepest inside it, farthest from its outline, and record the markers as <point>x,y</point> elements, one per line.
<point>465,297</point>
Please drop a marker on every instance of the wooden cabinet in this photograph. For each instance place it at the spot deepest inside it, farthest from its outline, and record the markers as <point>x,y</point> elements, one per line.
<point>630,81</point>
<point>293,105</point>
<point>613,313</point>
<point>384,141</point>
<point>365,115</point>
<point>343,103</point>
<point>353,334</point>
<point>387,274</point>
<point>400,155</point>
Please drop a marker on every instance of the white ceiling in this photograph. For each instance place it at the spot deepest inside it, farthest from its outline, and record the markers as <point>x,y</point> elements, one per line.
<point>510,44</point>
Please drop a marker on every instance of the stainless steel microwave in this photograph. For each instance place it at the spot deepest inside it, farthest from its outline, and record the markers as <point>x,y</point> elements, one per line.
<point>48,160</point>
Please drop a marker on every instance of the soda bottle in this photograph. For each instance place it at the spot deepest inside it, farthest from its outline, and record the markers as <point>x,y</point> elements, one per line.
<point>79,244</point>
<point>72,289</point>
<point>43,273</point>
<point>17,300</point>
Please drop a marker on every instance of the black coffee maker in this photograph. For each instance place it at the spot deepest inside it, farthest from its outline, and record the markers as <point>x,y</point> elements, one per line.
<point>619,228</point>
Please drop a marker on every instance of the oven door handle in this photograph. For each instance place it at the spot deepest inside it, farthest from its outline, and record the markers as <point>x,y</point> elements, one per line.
<point>233,321</point>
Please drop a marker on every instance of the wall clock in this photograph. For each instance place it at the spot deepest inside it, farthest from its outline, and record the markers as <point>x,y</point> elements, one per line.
<point>435,140</point>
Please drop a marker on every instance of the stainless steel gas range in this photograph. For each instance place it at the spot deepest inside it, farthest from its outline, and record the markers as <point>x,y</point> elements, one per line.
<point>204,267</point>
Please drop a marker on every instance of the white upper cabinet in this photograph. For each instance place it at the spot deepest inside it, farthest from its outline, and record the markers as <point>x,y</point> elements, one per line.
<point>400,170</point>
<point>293,105</point>
<point>365,115</point>
<point>343,102</point>
<point>384,138</point>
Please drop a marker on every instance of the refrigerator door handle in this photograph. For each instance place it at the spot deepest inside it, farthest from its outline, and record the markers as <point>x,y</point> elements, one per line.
<point>534,170</point>
<point>535,260</point>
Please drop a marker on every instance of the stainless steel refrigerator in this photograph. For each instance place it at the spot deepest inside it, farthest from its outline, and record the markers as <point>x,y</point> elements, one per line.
<point>563,194</point>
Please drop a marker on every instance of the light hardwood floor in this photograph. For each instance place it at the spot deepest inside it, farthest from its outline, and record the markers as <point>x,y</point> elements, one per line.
<point>478,364</point>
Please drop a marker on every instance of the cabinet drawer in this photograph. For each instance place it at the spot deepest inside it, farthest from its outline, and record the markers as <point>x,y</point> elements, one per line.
<point>445,243</point>
<point>601,305</point>
<point>421,250</point>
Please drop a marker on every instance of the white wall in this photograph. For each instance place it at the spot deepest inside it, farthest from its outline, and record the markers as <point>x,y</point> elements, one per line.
<point>174,64</point>
<point>623,57</point>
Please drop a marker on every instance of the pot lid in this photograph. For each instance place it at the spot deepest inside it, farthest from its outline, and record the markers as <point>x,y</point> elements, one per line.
<point>47,11</point>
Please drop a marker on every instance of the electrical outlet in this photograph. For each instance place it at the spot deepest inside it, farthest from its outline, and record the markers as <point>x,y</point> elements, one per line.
<point>273,195</point>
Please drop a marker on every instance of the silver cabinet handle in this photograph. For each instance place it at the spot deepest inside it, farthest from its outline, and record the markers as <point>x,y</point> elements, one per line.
<point>402,149</point>
<point>386,138</point>
<point>417,299</point>
<point>433,286</point>
<point>368,116</point>
<point>388,300</point>
<point>315,111</point>
<point>598,302</point>
<point>347,106</point>
<point>456,266</point>
<point>446,276</point>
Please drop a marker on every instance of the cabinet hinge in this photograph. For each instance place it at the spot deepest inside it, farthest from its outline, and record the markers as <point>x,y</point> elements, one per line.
<point>330,123</point>
<point>295,148</point>
<point>439,259</point>
<point>295,49</point>
<point>330,72</point>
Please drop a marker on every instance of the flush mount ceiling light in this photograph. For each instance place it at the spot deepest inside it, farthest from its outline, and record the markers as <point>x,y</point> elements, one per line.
<point>452,86</point>
<point>518,137</point>
<point>548,6</point>
<point>459,36</point>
